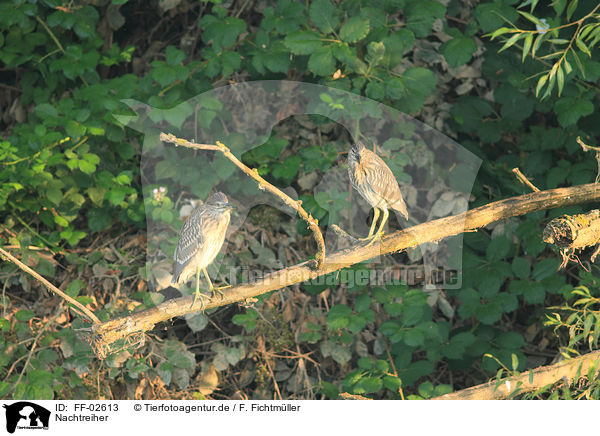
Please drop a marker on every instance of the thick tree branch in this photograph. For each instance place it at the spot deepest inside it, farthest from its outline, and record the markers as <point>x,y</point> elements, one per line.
<point>567,370</point>
<point>263,185</point>
<point>119,328</point>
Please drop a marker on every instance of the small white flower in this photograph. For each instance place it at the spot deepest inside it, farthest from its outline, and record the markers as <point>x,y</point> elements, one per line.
<point>544,27</point>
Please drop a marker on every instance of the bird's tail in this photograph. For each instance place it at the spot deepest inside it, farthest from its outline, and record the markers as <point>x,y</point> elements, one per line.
<point>400,206</point>
<point>177,270</point>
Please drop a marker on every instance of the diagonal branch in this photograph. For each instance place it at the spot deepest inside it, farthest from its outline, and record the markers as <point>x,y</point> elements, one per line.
<point>50,286</point>
<point>262,184</point>
<point>119,328</point>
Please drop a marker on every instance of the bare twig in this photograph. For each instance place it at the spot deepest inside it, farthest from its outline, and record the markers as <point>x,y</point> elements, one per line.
<point>529,381</point>
<point>111,331</point>
<point>263,185</point>
<point>33,346</point>
<point>50,286</point>
<point>586,147</point>
<point>524,179</point>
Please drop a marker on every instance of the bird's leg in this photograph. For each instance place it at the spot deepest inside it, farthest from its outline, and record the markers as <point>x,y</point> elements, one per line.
<point>215,289</point>
<point>375,218</point>
<point>198,294</point>
<point>379,232</point>
<point>386,215</point>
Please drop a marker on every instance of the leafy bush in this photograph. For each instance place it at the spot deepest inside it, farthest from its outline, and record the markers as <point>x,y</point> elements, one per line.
<point>73,205</point>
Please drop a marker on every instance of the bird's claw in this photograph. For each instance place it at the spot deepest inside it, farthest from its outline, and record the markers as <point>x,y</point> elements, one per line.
<point>372,239</point>
<point>217,290</point>
<point>202,297</point>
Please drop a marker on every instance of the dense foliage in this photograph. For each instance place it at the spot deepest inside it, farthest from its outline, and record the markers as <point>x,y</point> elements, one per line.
<point>514,83</point>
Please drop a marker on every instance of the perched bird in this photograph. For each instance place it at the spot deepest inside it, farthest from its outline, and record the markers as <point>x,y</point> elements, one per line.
<point>376,183</point>
<point>200,240</point>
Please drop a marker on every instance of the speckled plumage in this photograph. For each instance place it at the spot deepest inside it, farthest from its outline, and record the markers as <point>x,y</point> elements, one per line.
<point>374,181</point>
<point>201,237</point>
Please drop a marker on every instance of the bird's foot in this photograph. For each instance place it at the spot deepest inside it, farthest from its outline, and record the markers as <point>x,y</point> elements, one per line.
<point>217,290</point>
<point>201,296</point>
<point>375,237</point>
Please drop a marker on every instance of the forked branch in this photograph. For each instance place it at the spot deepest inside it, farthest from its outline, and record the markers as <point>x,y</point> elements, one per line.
<point>262,184</point>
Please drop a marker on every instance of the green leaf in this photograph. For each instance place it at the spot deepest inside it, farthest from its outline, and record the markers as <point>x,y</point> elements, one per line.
<point>556,176</point>
<point>570,109</point>
<point>46,110</point>
<point>355,29</point>
<point>86,167</point>
<point>516,104</point>
<point>322,13</point>
<point>538,42</point>
<point>396,44</point>
<point>560,79</point>
<point>375,90</point>
<point>338,317</point>
<point>541,82</point>
<point>501,31</point>
<point>458,51</point>
<point>492,16</point>
<point>414,338</point>
<point>420,16</point>
<point>368,385</point>
<point>303,42</point>
<point>74,129</point>
<point>510,340</point>
<point>531,18</point>
<point>498,248</point>
<point>521,268</point>
<point>163,74</point>
<point>61,221</point>
<point>514,361</point>
<point>176,116</point>
<point>587,324</point>
<point>24,315</point>
<point>321,61</point>
<point>571,8</point>
<point>376,51</point>
<point>545,268</point>
<point>527,46</point>
<point>581,45</point>
<point>96,194</point>
<point>55,195</point>
<point>489,313</point>
<point>511,41</point>
<point>426,389</point>
<point>288,169</point>
<point>165,372</point>
<point>174,56</point>
<point>420,84</point>
<point>99,219</point>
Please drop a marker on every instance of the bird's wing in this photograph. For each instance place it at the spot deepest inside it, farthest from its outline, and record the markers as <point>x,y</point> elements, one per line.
<point>351,169</point>
<point>190,238</point>
<point>384,183</point>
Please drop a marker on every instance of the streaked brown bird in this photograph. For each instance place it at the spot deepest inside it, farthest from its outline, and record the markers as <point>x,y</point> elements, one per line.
<point>200,240</point>
<point>376,183</point>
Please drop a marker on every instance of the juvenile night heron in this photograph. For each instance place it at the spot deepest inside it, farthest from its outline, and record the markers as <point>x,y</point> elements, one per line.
<point>376,183</point>
<point>200,240</point>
